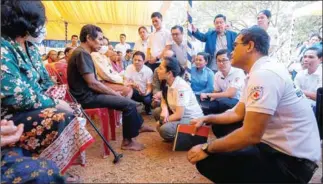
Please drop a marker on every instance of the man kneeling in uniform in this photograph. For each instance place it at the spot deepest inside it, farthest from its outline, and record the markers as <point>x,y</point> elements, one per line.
<point>278,141</point>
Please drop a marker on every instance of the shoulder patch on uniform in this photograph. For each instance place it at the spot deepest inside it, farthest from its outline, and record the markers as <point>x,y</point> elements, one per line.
<point>181,94</point>
<point>256,93</point>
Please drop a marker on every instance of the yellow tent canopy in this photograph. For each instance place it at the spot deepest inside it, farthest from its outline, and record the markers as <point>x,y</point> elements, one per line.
<point>114,17</point>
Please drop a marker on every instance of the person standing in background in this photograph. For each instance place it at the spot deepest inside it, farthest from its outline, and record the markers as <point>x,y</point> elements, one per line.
<point>122,46</point>
<point>159,41</point>
<point>74,40</point>
<point>263,20</point>
<point>217,39</point>
<point>142,43</point>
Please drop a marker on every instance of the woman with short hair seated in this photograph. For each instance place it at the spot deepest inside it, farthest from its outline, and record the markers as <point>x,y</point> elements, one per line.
<point>179,104</point>
<point>228,84</point>
<point>51,130</point>
<point>116,61</point>
<point>202,78</point>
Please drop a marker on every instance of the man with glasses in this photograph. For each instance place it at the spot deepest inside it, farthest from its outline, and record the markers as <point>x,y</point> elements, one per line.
<point>179,47</point>
<point>228,84</point>
<point>278,140</point>
<point>180,50</point>
<point>217,39</point>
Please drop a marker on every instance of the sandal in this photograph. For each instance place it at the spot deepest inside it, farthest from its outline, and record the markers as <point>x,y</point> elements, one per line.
<point>72,178</point>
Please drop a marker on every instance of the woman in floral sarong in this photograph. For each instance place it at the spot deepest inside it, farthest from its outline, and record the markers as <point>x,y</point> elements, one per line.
<point>17,168</point>
<point>51,131</point>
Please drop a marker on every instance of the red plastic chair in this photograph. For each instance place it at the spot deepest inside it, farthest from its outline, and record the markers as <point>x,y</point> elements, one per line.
<point>61,69</point>
<point>58,79</point>
<point>113,118</point>
<point>103,114</point>
<point>50,71</point>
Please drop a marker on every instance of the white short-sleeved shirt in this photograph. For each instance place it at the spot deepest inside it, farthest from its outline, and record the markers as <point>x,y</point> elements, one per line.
<point>180,52</point>
<point>141,45</point>
<point>122,48</point>
<point>181,94</point>
<point>142,78</point>
<point>158,40</point>
<point>309,82</point>
<point>292,128</point>
<point>70,45</point>
<point>274,39</point>
<point>104,69</point>
<point>234,79</point>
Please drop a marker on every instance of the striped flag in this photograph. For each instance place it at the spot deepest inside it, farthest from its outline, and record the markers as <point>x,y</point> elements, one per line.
<point>189,31</point>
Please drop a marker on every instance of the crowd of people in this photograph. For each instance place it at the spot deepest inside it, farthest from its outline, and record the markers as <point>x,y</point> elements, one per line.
<point>262,114</point>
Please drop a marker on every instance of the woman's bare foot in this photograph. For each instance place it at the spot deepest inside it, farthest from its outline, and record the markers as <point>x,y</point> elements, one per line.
<point>145,128</point>
<point>132,145</point>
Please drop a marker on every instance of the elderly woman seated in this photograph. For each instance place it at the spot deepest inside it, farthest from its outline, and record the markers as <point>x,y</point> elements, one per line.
<point>105,71</point>
<point>116,61</point>
<point>51,131</point>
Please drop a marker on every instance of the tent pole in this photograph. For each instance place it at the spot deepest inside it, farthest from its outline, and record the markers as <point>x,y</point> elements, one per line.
<point>66,25</point>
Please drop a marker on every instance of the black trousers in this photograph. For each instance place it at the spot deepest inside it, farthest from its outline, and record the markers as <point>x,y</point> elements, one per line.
<point>217,106</point>
<point>152,66</point>
<point>255,164</point>
<point>131,119</point>
<point>146,100</point>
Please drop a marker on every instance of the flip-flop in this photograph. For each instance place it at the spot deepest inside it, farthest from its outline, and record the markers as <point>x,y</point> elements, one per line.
<point>72,178</point>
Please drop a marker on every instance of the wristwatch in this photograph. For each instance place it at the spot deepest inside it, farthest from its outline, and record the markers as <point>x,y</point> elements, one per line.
<point>205,147</point>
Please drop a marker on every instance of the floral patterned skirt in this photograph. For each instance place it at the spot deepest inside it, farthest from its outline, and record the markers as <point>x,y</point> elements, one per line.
<point>16,168</point>
<point>54,134</point>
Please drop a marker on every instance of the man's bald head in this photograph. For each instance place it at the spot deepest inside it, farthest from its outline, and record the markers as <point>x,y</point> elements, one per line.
<point>168,53</point>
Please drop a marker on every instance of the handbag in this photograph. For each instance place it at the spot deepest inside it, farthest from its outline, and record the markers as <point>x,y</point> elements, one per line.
<point>57,91</point>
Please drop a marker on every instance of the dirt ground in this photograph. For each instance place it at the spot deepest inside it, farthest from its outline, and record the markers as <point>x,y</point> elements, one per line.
<point>155,164</point>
